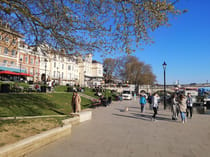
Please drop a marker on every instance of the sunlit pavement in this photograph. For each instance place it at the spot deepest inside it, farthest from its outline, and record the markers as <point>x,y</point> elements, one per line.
<point>114,132</point>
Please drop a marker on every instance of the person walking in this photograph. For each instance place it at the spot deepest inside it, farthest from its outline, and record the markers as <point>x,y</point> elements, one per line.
<point>142,102</point>
<point>155,103</point>
<point>134,95</point>
<point>189,105</point>
<point>149,99</point>
<point>75,103</point>
<point>183,107</point>
<point>174,106</point>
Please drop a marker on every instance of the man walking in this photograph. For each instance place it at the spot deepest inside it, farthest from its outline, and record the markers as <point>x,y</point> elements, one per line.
<point>189,105</point>
<point>155,101</point>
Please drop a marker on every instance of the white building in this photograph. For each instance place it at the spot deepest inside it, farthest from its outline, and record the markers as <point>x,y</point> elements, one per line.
<point>90,72</point>
<point>97,73</point>
<point>61,67</point>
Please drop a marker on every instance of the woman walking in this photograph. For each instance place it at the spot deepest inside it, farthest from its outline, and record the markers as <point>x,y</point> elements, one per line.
<point>75,102</point>
<point>174,106</point>
<point>183,107</point>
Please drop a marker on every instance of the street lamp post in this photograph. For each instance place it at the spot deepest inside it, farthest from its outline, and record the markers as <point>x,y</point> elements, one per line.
<point>164,98</point>
<point>105,70</point>
<point>20,68</point>
<point>45,78</point>
<point>58,76</point>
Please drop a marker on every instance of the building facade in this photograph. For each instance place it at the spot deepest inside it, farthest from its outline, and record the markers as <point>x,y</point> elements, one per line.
<point>42,64</point>
<point>9,42</point>
<point>29,60</point>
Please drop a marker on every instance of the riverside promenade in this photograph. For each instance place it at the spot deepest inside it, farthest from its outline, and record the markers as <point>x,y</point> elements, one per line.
<point>115,133</point>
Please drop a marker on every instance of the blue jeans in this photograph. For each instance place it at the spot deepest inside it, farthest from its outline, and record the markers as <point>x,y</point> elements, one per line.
<point>183,116</point>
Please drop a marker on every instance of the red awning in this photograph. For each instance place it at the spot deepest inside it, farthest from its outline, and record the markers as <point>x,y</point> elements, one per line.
<point>14,73</point>
<point>9,73</point>
<point>24,74</point>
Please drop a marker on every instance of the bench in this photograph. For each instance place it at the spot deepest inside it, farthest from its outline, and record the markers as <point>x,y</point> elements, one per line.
<point>96,103</point>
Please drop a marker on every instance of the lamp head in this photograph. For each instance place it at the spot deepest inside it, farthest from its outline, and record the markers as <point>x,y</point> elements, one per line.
<point>164,65</point>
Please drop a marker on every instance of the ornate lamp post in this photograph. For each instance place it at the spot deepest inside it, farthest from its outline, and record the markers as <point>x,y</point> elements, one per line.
<point>45,78</point>
<point>58,75</point>
<point>105,70</point>
<point>20,68</point>
<point>164,98</point>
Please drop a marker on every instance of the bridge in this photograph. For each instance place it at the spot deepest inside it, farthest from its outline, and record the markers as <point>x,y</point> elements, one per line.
<point>142,88</point>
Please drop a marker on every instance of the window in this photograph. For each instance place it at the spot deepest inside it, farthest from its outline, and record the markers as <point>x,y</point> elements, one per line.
<point>31,71</point>
<point>7,39</point>
<point>6,51</point>
<point>62,66</point>
<point>5,61</point>
<point>37,61</point>
<point>62,75</point>
<point>21,58</point>
<point>69,67</point>
<point>13,41</point>
<point>0,37</point>
<point>31,60</point>
<point>54,73</point>
<point>13,53</point>
<point>54,64</point>
<point>36,72</point>
<point>12,63</point>
<point>26,59</point>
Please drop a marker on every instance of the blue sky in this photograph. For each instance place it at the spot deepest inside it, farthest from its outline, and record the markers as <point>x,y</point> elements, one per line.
<point>185,46</point>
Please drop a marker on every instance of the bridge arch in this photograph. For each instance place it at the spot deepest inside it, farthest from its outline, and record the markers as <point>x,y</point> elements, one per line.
<point>168,91</point>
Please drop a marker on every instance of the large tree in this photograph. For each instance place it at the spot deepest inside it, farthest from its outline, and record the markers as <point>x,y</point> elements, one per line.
<point>87,25</point>
<point>109,65</point>
<point>135,71</point>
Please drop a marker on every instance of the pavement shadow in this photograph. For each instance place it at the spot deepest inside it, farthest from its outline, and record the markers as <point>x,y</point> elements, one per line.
<point>158,117</point>
<point>128,116</point>
<point>123,110</point>
<point>151,112</point>
<point>135,107</point>
<point>144,117</point>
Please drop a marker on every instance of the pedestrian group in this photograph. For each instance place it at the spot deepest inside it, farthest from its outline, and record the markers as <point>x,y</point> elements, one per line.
<point>179,104</point>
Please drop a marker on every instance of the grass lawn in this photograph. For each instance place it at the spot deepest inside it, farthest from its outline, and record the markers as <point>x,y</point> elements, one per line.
<point>89,91</point>
<point>37,104</point>
<point>15,130</point>
<point>60,88</point>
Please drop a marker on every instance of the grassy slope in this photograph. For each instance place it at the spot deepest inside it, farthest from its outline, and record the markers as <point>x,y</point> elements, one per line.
<point>37,104</point>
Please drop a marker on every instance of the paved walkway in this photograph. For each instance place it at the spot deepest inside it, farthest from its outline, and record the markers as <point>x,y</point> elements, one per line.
<point>115,133</point>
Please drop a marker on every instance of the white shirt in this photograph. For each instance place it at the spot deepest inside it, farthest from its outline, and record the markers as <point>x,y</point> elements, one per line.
<point>155,101</point>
